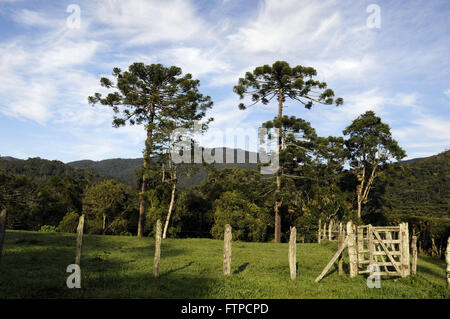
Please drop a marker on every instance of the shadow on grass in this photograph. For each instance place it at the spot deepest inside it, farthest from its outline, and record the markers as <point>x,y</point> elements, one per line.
<point>177,269</point>
<point>34,266</point>
<point>241,268</point>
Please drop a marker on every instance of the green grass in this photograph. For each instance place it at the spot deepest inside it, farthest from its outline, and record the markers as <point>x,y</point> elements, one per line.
<point>34,266</point>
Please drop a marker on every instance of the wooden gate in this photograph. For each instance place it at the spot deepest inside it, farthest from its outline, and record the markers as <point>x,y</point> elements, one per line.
<point>387,247</point>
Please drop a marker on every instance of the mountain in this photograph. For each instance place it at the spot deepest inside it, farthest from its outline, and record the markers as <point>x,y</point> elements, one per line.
<point>424,188</point>
<point>42,169</point>
<point>123,169</point>
<point>119,168</point>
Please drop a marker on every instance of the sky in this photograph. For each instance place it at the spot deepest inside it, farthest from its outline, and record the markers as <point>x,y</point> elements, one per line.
<point>391,57</point>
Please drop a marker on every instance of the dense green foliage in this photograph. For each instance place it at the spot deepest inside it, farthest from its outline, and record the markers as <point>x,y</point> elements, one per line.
<point>424,188</point>
<point>42,169</point>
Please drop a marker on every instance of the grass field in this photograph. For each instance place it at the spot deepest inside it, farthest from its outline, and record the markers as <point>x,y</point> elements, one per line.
<point>34,266</point>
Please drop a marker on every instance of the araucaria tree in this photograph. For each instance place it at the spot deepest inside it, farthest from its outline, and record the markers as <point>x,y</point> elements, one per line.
<point>149,95</point>
<point>369,144</point>
<point>282,81</point>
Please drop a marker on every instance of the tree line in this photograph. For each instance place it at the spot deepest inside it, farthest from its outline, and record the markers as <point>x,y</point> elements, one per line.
<point>317,177</point>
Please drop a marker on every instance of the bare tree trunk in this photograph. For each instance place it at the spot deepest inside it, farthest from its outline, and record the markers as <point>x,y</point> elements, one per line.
<point>148,147</point>
<point>104,223</point>
<point>319,235</point>
<point>359,191</point>
<point>172,200</point>
<point>278,202</point>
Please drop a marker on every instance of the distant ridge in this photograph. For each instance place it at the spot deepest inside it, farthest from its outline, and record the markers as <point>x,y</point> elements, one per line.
<point>123,168</point>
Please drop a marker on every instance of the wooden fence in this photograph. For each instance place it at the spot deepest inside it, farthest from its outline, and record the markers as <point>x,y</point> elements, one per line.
<point>386,246</point>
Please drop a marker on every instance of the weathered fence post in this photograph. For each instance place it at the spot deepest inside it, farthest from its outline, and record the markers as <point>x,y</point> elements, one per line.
<point>352,250</point>
<point>404,248</point>
<point>227,250</point>
<point>3,216</point>
<point>324,233</point>
<point>340,244</point>
<point>157,248</point>
<point>319,235</point>
<point>80,230</point>
<point>447,259</point>
<point>330,229</point>
<point>293,252</point>
<point>414,255</point>
<point>360,246</point>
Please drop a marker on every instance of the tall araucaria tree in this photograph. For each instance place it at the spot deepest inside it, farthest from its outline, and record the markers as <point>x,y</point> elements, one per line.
<point>369,145</point>
<point>148,95</point>
<point>283,81</point>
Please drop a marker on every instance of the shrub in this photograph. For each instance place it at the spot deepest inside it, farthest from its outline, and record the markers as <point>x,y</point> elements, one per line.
<point>69,223</point>
<point>245,218</point>
<point>48,229</point>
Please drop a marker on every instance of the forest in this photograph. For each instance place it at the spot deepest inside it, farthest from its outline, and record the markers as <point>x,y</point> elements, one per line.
<point>358,176</point>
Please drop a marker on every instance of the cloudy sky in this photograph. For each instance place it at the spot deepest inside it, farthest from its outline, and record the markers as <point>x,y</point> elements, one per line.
<point>51,61</point>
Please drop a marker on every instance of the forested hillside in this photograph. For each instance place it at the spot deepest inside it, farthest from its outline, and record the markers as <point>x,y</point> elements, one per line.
<point>424,188</point>
<point>42,169</point>
<point>124,169</point>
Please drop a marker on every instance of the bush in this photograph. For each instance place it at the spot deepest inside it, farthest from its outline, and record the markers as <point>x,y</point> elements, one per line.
<point>48,229</point>
<point>245,218</point>
<point>69,223</point>
<point>118,226</point>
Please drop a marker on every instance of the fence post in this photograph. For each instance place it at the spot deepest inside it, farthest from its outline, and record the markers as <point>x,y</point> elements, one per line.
<point>319,235</point>
<point>352,250</point>
<point>360,244</point>
<point>330,228</point>
<point>293,253</point>
<point>404,247</point>
<point>447,259</point>
<point>80,230</point>
<point>227,250</point>
<point>414,255</point>
<point>324,233</point>
<point>3,216</point>
<point>157,248</point>
<point>340,244</point>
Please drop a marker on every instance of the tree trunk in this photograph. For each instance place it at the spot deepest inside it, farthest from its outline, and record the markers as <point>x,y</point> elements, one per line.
<point>360,191</point>
<point>104,223</point>
<point>172,200</point>
<point>278,202</point>
<point>147,153</point>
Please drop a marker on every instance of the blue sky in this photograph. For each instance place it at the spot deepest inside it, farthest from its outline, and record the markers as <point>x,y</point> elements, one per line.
<point>401,70</point>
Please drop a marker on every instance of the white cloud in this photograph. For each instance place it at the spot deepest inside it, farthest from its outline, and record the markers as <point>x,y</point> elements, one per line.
<point>143,22</point>
<point>34,18</point>
<point>447,93</point>
<point>286,25</point>
<point>195,60</point>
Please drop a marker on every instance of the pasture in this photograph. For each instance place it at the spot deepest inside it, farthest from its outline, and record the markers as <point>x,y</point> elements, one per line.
<point>34,266</point>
